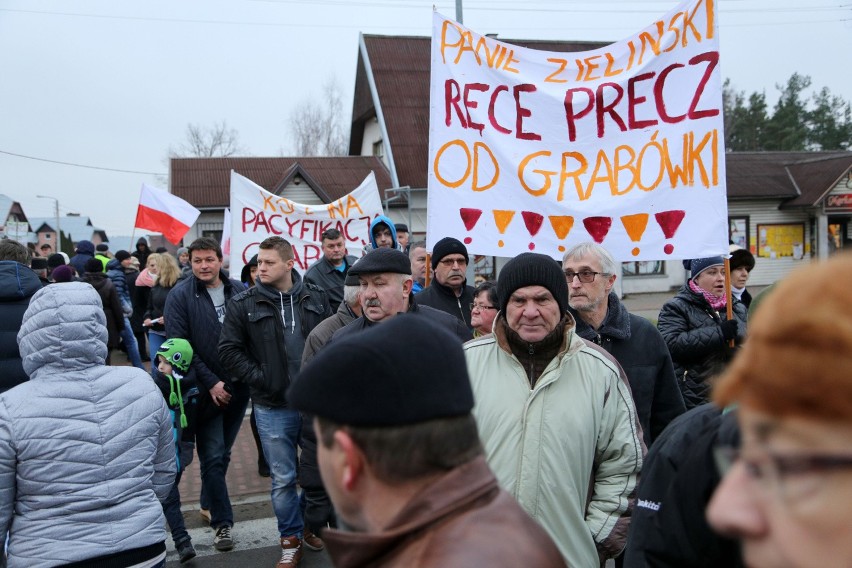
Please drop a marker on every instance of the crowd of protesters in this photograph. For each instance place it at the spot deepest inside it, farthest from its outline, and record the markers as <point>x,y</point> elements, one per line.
<point>406,418</point>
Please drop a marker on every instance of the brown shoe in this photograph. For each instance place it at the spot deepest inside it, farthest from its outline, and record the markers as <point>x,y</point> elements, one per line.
<point>312,541</point>
<point>291,552</point>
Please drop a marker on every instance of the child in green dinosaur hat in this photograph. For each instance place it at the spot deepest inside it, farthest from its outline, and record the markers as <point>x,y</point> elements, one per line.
<point>176,380</point>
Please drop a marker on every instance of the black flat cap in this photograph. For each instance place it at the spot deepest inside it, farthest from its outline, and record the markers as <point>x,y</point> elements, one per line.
<point>401,227</point>
<point>382,260</point>
<point>379,377</point>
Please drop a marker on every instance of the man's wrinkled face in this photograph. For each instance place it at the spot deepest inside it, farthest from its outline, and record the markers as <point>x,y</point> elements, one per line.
<point>451,270</point>
<point>334,250</point>
<point>402,239</point>
<point>206,266</point>
<point>384,295</point>
<point>532,313</point>
<point>418,264</point>
<point>382,235</point>
<point>587,296</point>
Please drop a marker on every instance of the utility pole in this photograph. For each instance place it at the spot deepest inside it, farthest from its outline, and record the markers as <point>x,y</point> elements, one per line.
<point>459,17</point>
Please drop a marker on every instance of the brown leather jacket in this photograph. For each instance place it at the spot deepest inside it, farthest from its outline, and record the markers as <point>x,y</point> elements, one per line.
<point>462,519</point>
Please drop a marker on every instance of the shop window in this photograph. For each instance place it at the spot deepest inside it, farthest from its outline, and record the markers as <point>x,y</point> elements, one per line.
<point>644,268</point>
<point>738,232</point>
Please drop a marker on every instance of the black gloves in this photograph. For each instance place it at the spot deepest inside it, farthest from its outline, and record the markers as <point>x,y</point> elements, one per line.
<point>729,329</point>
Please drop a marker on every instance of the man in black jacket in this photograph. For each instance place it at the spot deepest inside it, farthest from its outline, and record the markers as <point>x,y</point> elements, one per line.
<point>632,340</point>
<point>261,345</point>
<point>329,272</point>
<point>449,291</point>
<point>195,310</point>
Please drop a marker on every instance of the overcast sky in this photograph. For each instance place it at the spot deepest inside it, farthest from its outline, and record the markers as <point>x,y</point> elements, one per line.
<point>110,84</point>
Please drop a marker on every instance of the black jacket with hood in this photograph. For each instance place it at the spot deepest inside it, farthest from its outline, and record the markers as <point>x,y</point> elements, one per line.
<point>668,528</point>
<point>17,285</point>
<point>640,350</point>
<point>254,345</point>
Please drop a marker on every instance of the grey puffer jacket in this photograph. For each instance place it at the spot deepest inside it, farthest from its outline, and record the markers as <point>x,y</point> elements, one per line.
<point>693,334</point>
<point>86,452</point>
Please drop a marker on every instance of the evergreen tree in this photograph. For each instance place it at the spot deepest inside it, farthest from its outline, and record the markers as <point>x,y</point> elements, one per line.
<point>787,129</point>
<point>830,122</point>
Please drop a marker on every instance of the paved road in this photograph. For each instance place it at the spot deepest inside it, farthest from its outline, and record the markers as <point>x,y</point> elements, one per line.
<point>255,537</point>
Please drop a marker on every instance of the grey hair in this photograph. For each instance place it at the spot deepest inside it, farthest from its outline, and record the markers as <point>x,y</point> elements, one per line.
<point>351,294</point>
<point>415,245</point>
<point>608,265</point>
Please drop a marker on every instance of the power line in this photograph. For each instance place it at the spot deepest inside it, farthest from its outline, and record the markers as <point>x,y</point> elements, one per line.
<point>80,165</point>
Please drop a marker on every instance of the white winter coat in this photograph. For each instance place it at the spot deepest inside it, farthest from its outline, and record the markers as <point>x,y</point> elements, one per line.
<point>86,453</point>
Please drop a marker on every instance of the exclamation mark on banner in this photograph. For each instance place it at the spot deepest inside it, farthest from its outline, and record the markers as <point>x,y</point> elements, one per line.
<point>598,227</point>
<point>635,226</point>
<point>562,225</point>
<point>469,217</point>
<point>669,222</point>
<point>533,222</point>
<point>502,219</point>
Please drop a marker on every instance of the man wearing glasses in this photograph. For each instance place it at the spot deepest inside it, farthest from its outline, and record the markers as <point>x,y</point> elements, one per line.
<point>787,491</point>
<point>633,341</point>
<point>449,291</point>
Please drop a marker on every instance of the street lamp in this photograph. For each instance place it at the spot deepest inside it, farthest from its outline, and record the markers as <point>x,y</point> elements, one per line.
<point>58,246</point>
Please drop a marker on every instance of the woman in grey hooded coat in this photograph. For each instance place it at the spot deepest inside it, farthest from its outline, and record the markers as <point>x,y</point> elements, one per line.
<point>86,453</point>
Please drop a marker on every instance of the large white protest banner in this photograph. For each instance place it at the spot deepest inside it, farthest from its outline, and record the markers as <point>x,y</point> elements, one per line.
<point>257,214</point>
<point>536,151</point>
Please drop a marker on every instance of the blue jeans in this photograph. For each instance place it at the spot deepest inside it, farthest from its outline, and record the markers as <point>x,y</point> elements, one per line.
<point>279,434</point>
<point>213,440</point>
<point>171,509</point>
<point>154,341</point>
<point>130,344</point>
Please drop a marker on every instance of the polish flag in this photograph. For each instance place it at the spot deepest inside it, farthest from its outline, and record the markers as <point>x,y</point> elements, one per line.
<point>165,213</point>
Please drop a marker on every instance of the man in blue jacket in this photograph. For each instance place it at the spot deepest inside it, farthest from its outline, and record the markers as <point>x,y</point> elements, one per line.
<point>195,310</point>
<point>17,285</point>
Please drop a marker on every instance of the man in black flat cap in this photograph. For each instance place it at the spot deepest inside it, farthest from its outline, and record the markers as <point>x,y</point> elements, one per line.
<point>385,279</point>
<point>401,459</point>
<point>449,291</point>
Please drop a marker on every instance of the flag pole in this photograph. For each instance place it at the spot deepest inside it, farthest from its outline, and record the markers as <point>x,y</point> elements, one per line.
<point>729,307</point>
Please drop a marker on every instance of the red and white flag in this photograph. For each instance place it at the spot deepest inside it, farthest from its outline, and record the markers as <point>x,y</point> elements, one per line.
<point>163,212</point>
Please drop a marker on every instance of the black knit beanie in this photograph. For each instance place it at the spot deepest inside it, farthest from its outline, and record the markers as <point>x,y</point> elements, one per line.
<point>531,269</point>
<point>448,245</point>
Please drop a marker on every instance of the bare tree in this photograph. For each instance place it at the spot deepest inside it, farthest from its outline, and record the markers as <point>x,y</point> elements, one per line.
<point>317,125</point>
<point>217,141</point>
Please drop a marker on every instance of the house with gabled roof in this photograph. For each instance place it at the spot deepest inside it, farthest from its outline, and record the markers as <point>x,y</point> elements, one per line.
<point>785,207</point>
<point>74,226</point>
<point>206,182</point>
<point>13,221</point>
